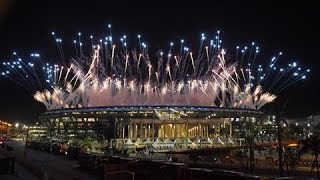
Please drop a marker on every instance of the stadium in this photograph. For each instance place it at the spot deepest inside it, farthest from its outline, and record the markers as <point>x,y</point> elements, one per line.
<point>148,122</point>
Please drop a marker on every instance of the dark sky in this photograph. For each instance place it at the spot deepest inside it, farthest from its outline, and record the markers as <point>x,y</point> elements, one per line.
<point>291,27</point>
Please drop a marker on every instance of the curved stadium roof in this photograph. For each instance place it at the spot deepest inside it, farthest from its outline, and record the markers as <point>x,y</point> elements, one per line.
<point>149,112</point>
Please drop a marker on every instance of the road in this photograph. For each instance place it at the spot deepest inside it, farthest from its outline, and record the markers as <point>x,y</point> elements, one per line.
<point>56,167</point>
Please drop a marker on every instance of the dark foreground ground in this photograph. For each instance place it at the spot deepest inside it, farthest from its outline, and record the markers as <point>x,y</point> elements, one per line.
<point>42,165</point>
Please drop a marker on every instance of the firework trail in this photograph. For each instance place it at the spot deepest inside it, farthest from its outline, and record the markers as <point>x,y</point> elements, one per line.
<point>120,74</point>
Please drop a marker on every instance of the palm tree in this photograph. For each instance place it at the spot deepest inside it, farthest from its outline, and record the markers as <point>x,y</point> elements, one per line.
<point>278,108</point>
<point>249,130</point>
<point>291,158</point>
<point>312,143</point>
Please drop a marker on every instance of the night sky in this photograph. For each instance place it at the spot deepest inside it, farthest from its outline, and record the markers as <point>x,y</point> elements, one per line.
<point>292,27</point>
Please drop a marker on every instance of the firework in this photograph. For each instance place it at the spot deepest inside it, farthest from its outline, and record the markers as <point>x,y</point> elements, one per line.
<point>122,74</point>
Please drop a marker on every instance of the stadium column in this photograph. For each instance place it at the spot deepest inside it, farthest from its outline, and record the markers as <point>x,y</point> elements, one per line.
<point>128,127</point>
<point>148,131</point>
<point>153,131</point>
<point>131,130</point>
<point>230,130</point>
<point>203,127</point>
<point>187,130</point>
<point>174,130</point>
<point>203,130</point>
<point>132,127</point>
<point>207,130</point>
<point>210,126</point>
<point>141,129</point>
<point>135,130</point>
<point>199,129</point>
<point>164,130</point>
<point>123,129</point>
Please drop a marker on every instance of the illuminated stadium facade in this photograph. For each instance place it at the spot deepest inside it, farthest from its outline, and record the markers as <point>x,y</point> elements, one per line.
<point>124,122</point>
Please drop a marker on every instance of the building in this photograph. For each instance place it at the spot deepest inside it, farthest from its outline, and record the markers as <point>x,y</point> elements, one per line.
<point>133,122</point>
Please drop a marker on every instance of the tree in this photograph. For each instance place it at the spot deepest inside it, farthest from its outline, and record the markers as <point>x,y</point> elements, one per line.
<point>312,143</point>
<point>291,158</point>
<point>278,108</point>
<point>270,132</point>
<point>249,130</point>
<point>296,132</point>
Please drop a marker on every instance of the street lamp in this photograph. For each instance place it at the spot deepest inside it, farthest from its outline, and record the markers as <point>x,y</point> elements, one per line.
<point>17,125</point>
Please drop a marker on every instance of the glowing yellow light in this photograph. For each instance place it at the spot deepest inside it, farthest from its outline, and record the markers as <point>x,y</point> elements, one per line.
<point>293,145</point>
